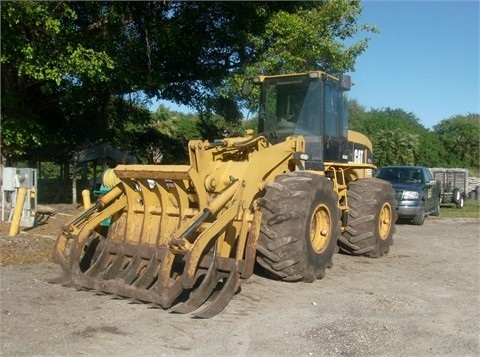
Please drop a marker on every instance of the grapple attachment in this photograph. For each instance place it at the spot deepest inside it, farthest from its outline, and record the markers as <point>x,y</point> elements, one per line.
<point>177,237</point>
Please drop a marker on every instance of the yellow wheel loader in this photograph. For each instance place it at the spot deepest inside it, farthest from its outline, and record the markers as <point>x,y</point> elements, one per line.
<point>185,237</point>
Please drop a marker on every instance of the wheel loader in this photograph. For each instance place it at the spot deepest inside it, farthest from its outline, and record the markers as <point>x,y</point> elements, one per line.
<point>185,237</point>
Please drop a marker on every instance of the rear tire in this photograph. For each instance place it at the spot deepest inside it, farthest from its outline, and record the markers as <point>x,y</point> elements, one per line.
<point>436,212</point>
<point>300,227</point>
<point>371,218</point>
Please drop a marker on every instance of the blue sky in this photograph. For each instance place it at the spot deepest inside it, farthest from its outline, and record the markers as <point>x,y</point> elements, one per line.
<point>425,59</point>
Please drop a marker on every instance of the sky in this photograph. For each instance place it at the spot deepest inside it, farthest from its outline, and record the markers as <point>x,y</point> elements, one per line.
<point>425,60</point>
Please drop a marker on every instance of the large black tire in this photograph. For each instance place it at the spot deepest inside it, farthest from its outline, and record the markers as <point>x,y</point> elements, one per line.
<point>300,227</point>
<point>371,218</point>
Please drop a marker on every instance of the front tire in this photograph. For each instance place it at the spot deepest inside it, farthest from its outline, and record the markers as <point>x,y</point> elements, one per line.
<point>419,219</point>
<point>371,218</point>
<point>300,227</point>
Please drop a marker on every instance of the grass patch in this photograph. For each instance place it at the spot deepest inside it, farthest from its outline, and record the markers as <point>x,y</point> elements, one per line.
<point>471,209</point>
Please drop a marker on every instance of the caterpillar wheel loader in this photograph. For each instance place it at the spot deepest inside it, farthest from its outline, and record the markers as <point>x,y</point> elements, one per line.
<point>185,237</point>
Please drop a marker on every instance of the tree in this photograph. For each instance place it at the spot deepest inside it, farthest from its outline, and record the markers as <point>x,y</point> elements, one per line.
<point>393,135</point>
<point>174,130</point>
<point>430,151</point>
<point>395,147</point>
<point>460,135</point>
<point>397,136</point>
<point>73,66</point>
<point>310,38</point>
<point>38,51</point>
<point>357,116</point>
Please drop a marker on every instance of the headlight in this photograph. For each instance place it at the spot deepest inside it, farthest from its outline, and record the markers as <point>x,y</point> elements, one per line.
<point>410,195</point>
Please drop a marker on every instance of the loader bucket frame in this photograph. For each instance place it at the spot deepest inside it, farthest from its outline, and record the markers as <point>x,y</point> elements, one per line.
<point>180,236</point>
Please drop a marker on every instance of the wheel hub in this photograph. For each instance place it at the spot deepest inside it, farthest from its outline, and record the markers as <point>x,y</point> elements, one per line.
<point>385,221</point>
<point>320,229</point>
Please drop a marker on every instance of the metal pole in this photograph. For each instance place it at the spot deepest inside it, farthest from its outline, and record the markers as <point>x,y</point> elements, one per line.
<point>17,213</point>
<point>86,199</point>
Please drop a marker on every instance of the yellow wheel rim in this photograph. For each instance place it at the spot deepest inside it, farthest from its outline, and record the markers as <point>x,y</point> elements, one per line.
<point>320,228</point>
<point>385,221</point>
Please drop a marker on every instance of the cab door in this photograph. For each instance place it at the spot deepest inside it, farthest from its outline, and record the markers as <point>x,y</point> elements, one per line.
<point>431,191</point>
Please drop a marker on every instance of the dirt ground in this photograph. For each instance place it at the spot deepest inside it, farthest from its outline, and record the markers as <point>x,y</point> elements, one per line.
<point>423,299</point>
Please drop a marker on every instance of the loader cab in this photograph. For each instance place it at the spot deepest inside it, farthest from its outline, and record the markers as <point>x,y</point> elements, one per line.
<point>311,104</point>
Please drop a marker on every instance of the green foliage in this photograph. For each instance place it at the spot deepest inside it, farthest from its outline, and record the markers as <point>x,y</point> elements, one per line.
<point>251,124</point>
<point>471,209</point>
<point>49,170</point>
<point>398,138</point>
<point>38,40</point>
<point>460,137</point>
<point>395,147</point>
<point>357,115</point>
<point>75,67</point>
<point>17,136</point>
<point>430,151</point>
<point>41,57</point>
<point>393,133</point>
<point>169,133</point>
<point>309,39</point>
<point>313,37</point>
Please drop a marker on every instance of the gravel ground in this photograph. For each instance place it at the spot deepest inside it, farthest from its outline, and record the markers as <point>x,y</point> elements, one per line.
<point>421,300</point>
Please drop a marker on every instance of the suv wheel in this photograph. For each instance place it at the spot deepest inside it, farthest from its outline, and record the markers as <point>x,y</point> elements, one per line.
<point>419,219</point>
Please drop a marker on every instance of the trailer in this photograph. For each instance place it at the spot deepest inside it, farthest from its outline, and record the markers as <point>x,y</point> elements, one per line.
<point>454,185</point>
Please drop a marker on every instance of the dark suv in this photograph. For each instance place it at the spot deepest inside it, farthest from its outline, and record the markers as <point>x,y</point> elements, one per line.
<point>416,191</point>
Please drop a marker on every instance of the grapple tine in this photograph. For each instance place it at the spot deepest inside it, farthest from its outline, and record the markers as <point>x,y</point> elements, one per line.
<point>130,273</point>
<point>147,277</point>
<point>100,265</point>
<point>220,300</point>
<point>202,293</point>
<point>115,268</point>
<point>167,296</point>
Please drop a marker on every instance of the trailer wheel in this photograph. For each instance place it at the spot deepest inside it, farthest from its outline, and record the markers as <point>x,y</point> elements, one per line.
<point>456,195</point>
<point>371,218</point>
<point>300,227</point>
<point>461,202</point>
